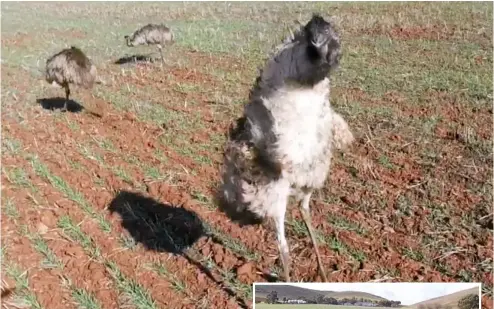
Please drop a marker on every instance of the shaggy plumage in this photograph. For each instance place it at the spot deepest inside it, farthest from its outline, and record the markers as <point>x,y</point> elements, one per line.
<point>152,34</point>
<point>282,146</point>
<point>70,66</point>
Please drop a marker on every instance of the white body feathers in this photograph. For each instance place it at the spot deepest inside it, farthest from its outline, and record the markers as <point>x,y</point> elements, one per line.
<point>306,129</point>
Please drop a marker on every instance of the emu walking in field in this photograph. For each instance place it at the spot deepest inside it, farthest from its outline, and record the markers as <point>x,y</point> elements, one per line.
<point>70,66</point>
<point>282,145</point>
<point>151,34</point>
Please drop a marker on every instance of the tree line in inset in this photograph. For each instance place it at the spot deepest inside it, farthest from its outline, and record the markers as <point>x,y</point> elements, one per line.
<point>272,298</point>
<point>470,301</point>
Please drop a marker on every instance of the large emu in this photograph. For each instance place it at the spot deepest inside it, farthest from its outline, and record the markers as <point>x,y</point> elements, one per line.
<point>152,34</point>
<point>282,145</point>
<point>70,66</point>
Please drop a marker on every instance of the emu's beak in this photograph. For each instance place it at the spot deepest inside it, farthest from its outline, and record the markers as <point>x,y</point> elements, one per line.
<point>317,44</point>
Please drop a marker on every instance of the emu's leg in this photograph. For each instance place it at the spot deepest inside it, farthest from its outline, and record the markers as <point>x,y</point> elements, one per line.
<point>304,208</point>
<point>279,221</point>
<point>67,94</point>
<point>160,48</point>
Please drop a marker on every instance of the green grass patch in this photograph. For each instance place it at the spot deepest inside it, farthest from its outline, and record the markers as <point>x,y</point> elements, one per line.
<point>10,146</point>
<point>413,254</point>
<point>340,247</point>
<point>39,244</point>
<point>74,195</point>
<point>74,232</point>
<point>23,296</point>
<point>9,209</point>
<point>84,299</point>
<point>344,224</point>
<point>230,243</point>
<point>131,289</point>
<point>18,176</point>
<point>229,278</point>
<point>177,284</point>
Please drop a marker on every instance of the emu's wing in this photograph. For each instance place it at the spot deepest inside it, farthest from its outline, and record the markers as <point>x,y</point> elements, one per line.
<point>342,135</point>
<point>253,162</point>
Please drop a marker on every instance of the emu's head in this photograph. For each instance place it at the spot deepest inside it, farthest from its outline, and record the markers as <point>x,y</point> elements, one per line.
<point>128,41</point>
<point>77,55</point>
<point>323,41</point>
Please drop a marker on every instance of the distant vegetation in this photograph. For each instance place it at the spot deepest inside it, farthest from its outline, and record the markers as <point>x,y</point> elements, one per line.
<point>470,301</point>
<point>272,298</point>
<point>293,292</point>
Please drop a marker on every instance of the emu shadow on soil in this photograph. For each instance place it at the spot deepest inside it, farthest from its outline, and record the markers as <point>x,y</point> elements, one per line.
<point>58,102</point>
<point>164,228</point>
<point>135,59</point>
<point>157,226</point>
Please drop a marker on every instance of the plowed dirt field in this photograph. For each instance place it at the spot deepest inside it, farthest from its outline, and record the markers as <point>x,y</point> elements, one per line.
<point>110,205</point>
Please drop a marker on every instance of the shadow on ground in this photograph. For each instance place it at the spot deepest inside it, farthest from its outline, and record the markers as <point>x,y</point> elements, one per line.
<point>157,226</point>
<point>164,228</point>
<point>135,59</point>
<point>58,102</point>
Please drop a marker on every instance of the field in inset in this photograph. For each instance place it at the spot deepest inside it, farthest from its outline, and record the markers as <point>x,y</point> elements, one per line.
<point>94,208</point>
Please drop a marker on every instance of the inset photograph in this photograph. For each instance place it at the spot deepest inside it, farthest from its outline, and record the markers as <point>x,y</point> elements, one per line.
<point>359,295</point>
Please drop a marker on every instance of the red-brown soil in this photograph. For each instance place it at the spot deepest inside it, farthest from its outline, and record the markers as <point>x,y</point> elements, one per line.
<point>428,32</point>
<point>129,262</point>
<point>19,251</point>
<point>58,146</point>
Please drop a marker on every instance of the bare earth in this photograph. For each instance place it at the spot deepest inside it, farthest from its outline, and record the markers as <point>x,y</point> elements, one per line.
<point>111,205</point>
